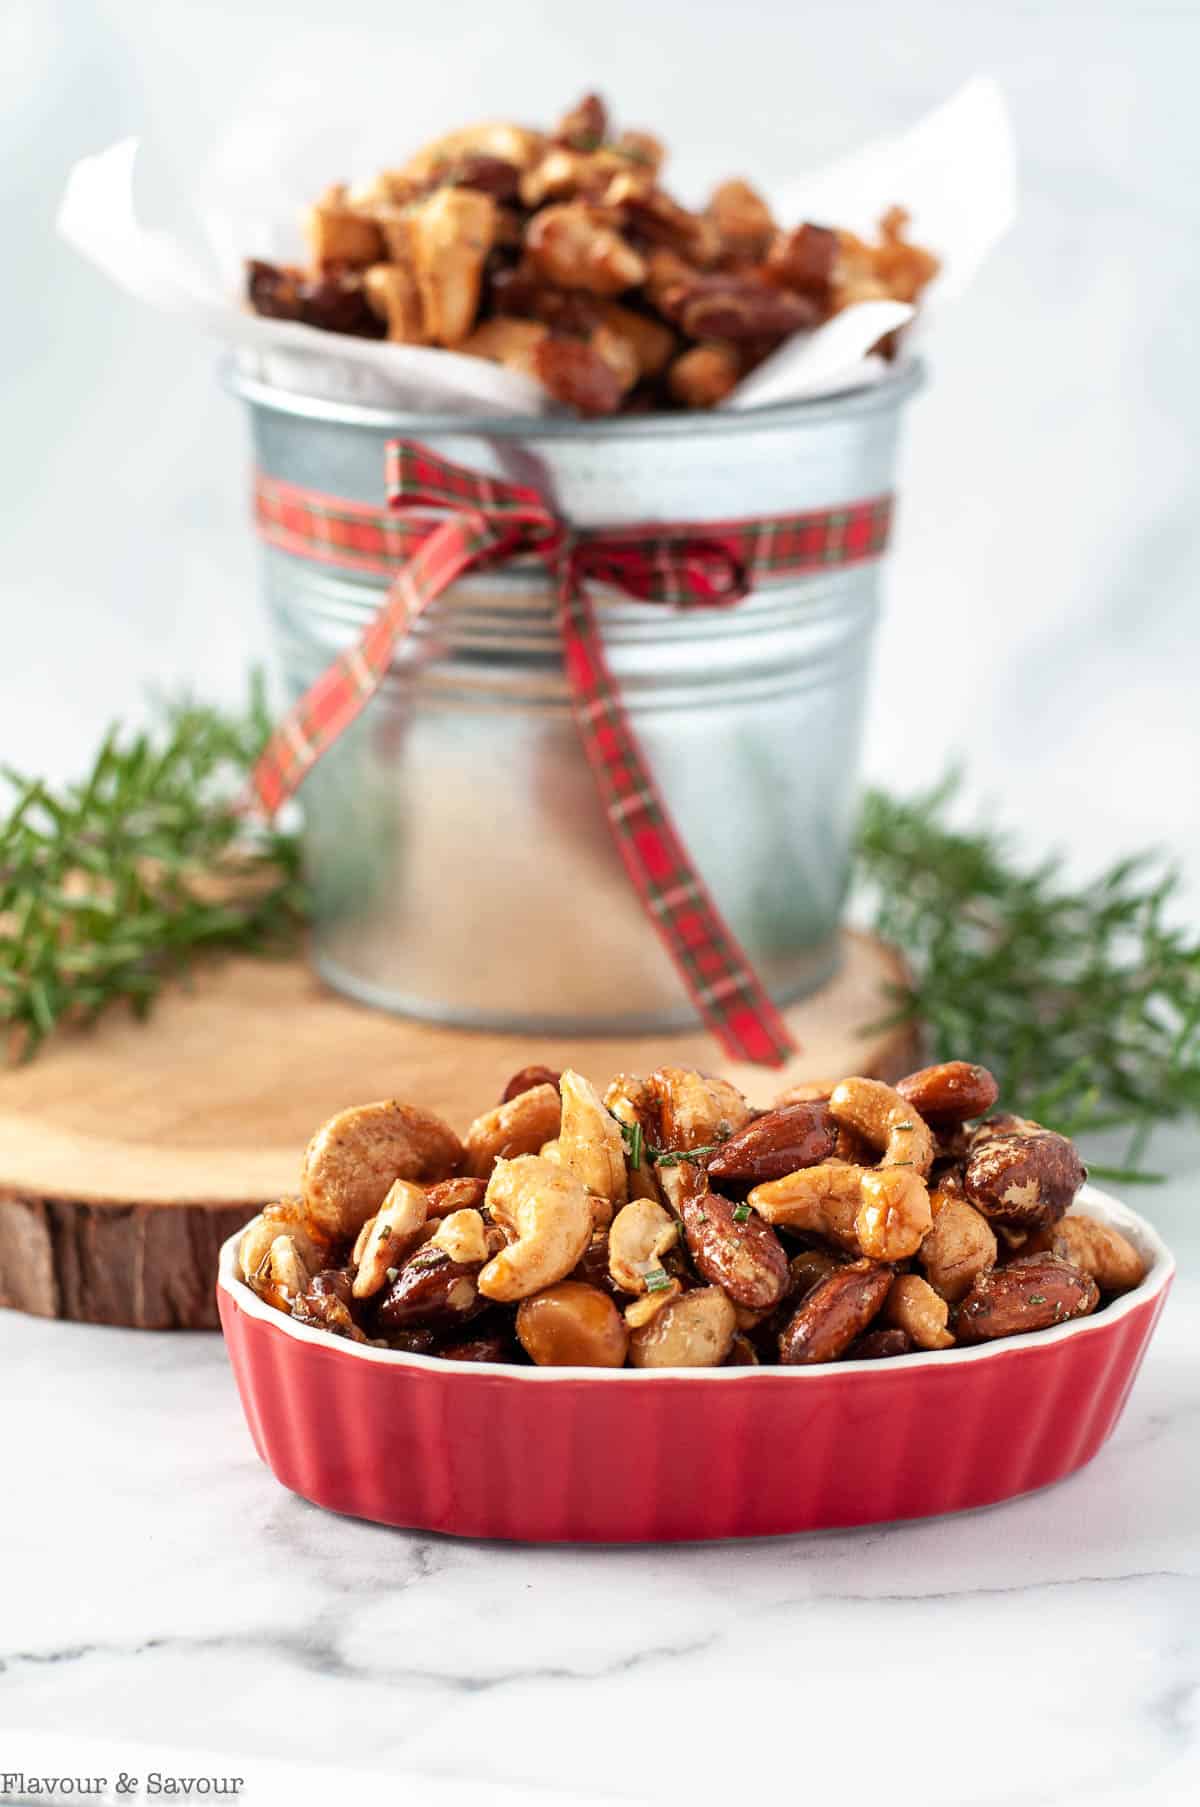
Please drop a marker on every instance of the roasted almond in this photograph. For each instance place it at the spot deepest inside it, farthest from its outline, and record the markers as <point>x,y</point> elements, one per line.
<point>779,1143</point>
<point>1024,1178</point>
<point>734,1248</point>
<point>836,1311</point>
<point>1031,1293</point>
<point>430,1292</point>
<point>950,1092</point>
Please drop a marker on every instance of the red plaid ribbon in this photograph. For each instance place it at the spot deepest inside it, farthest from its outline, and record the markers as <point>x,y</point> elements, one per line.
<point>480,520</point>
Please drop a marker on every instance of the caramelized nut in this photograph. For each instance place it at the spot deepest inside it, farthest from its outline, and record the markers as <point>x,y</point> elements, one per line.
<point>743,219</point>
<point>960,1246</point>
<point>575,373</point>
<point>430,1292</point>
<point>386,1239</point>
<point>894,1216</point>
<point>886,1120</point>
<point>590,1145</point>
<point>526,1080</point>
<point>694,1109</point>
<point>705,375</point>
<point>353,1159</point>
<point>1095,1248</point>
<point>463,1236</point>
<point>640,1235</point>
<point>516,1128</point>
<point>573,245</point>
<point>551,1215</point>
<point>696,1330</point>
<point>837,1310</point>
<point>1031,1293</point>
<point>735,1249</point>
<point>822,1200</point>
<point>880,1346</point>
<point>776,1144</point>
<point>914,1307</point>
<point>460,1194</point>
<point>950,1093</point>
<point>338,234</point>
<point>571,1325</point>
<point>1023,1178</point>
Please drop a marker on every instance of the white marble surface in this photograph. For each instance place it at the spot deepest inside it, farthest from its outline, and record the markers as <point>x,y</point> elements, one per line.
<point>161,1589</point>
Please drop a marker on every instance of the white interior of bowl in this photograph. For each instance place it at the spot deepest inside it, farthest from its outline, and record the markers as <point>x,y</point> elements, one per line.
<point>1097,1204</point>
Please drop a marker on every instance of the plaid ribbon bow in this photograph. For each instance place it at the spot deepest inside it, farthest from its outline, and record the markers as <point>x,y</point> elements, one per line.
<point>480,520</point>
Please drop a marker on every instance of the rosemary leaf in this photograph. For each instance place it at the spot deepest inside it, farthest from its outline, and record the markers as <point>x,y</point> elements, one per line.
<point>110,886</point>
<point>1084,1000</point>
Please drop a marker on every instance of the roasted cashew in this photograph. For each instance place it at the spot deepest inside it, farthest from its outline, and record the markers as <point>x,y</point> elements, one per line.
<point>573,246</point>
<point>392,293</point>
<point>822,1200</point>
<point>281,1276</point>
<point>1096,1249</point>
<point>632,1102</point>
<point>338,233</point>
<point>879,1114</point>
<point>451,234</point>
<point>704,374</point>
<point>516,1128</point>
<point>386,1239</point>
<point>353,1159</point>
<point>695,1110</point>
<point>912,1305</point>
<point>695,1330</point>
<point>646,1308</point>
<point>463,1236</point>
<point>894,1216</point>
<point>960,1246</point>
<point>880,1212</point>
<point>508,342</point>
<point>590,1145</point>
<point>552,1217</point>
<point>640,1235</point>
<point>743,219</point>
<point>284,1218</point>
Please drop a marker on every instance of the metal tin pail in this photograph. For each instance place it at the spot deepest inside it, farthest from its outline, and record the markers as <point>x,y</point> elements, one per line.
<point>459,859</point>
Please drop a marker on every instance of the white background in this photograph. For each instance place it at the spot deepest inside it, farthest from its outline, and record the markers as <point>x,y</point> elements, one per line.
<point>1042,623</point>
<point>1042,618</point>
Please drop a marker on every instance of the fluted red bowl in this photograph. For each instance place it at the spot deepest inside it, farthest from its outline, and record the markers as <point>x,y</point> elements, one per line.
<point>481,1449</point>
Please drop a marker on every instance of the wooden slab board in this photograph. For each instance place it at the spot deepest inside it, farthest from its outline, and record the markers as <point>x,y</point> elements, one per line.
<point>130,1151</point>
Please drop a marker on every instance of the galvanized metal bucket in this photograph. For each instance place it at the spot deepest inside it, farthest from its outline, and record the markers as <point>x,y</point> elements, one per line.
<point>461,866</point>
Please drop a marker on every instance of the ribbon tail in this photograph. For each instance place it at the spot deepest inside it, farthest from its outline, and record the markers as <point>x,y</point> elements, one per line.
<point>713,965</point>
<point>345,688</point>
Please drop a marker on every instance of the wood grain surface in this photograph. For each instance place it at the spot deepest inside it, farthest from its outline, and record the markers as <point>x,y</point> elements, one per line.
<point>128,1152</point>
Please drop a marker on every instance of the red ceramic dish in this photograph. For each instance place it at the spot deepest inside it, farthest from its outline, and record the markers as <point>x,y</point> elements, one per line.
<point>617,1456</point>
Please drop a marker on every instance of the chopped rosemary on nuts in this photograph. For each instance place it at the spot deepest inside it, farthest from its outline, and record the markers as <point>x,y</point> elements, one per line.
<point>741,1214</point>
<point>657,1280</point>
<point>678,1156</point>
<point>631,1135</point>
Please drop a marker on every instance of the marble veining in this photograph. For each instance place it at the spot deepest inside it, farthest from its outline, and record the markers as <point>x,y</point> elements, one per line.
<point>159,1585</point>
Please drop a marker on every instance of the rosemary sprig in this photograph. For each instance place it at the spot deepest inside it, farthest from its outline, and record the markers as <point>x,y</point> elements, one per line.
<point>1084,1001</point>
<point>109,886</point>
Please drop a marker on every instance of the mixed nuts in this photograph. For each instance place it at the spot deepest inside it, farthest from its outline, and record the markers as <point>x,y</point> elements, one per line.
<point>667,1224</point>
<point>560,254</point>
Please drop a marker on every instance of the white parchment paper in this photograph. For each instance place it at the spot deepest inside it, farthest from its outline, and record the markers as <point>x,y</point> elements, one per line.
<point>955,172</point>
